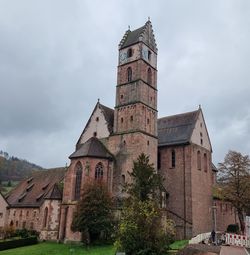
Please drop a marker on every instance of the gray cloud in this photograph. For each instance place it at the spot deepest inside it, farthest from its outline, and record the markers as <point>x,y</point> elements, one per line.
<point>58,57</point>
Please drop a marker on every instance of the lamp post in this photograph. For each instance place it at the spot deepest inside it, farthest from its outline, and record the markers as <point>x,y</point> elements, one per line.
<point>214,221</point>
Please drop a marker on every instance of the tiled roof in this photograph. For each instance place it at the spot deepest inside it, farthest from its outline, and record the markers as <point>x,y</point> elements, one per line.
<point>41,185</point>
<point>109,116</point>
<point>214,168</point>
<point>143,34</point>
<point>92,148</point>
<point>176,129</point>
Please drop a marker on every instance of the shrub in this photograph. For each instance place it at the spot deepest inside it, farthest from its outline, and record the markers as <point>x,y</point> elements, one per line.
<point>233,228</point>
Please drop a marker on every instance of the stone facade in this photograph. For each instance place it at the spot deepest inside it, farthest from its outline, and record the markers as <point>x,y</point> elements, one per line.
<point>3,210</point>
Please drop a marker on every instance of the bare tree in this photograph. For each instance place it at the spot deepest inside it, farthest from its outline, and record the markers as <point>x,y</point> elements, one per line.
<point>234,176</point>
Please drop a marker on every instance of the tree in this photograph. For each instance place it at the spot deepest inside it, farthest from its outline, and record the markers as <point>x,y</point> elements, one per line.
<point>146,182</point>
<point>141,229</point>
<point>94,213</point>
<point>234,176</point>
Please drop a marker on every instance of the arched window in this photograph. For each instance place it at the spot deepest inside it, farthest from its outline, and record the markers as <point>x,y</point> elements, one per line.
<point>123,179</point>
<point>149,78</point>
<point>173,159</point>
<point>205,162</point>
<point>99,171</point>
<point>129,53</point>
<point>78,180</point>
<point>45,217</point>
<point>198,160</point>
<point>129,74</point>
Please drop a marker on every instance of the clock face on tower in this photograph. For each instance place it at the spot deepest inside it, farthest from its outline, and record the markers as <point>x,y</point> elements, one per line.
<point>145,54</point>
<point>123,56</point>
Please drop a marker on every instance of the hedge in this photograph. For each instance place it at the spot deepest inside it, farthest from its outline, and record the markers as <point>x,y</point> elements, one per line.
<point>17,243</point>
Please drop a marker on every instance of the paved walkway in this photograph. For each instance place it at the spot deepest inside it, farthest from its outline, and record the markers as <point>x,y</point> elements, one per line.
<point>231,250</point>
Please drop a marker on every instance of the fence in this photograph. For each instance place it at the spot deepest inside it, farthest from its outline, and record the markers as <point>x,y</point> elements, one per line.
<point>238,240</point>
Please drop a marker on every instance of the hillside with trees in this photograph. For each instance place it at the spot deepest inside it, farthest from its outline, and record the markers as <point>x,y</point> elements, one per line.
<point>15,169</point>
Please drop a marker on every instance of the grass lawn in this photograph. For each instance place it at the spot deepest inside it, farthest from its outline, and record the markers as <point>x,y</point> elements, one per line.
<point>177,245</point>
<point>59,249</point>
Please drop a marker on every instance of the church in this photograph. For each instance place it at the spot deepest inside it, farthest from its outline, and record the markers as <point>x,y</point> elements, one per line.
<point>179,147</point>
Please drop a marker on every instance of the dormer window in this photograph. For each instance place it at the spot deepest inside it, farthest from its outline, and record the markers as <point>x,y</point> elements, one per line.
<point>97,119</point>
<point>129,53</point>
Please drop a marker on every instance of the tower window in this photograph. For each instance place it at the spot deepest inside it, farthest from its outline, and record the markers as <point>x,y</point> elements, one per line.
<point>121,96</point>
<point>149,55</point>
<point>173,159</point>
<point>149,78</point>
<point>78,180</point>
<point>147,142</point>
<point>121,120</point>
<point>129,74</point>
<point>147,121</point>
<point>129,53</point>
<point>198,160</point>
<point>97,119</point>
<point>95,134</point>
<point>131,118</point>
<point>99,171</point>
<point>201,141</point>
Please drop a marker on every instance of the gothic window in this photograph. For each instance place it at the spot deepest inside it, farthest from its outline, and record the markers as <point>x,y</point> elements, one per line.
<point>198,160</point>
<point>78,181</point>
<point>129,74</point>
<point>99,171</point>
<point>149,78</point>
<point>131,118</point>
<point>205,162</point>
<point>45,217</point>
<point>173,159</point>
<point>129,53</point>
<point>121,120</point>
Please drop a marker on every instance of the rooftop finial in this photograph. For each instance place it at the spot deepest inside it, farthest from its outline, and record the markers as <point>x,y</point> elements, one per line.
<point>148,18</point>
<point>199,106</point>
<point>98,100</point>
<point>128,27</point>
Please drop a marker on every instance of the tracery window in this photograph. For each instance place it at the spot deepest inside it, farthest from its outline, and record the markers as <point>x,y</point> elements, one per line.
<point>78,180</point>
<point>129,53</point>
<point>99,171</point>
<point>129,74</point>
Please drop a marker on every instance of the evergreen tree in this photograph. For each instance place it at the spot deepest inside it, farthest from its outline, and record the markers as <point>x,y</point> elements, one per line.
<point>142,229</point>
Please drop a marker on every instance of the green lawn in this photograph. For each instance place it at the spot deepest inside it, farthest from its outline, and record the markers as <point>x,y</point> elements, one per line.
<point>177,245</point>
<point>59,249</point>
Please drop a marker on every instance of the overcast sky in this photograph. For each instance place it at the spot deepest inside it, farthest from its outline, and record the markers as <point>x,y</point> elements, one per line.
<point>58,57</point>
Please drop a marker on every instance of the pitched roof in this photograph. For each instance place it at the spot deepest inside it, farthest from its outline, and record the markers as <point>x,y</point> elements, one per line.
<point>108,115</point>
<point>142,34</point>
<point>92,148</point>
<point>31,192</point>
<point>176,129</point>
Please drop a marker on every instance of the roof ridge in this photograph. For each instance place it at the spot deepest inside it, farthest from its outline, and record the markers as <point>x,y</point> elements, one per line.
<point>178,114</point>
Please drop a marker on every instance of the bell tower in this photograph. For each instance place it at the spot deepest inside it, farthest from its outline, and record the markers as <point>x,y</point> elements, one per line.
<point>136,90</point>
<point>135,115</point>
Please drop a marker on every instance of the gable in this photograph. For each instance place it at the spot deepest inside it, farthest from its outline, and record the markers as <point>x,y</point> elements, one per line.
<point>100,124</point>
<point>200,134</point>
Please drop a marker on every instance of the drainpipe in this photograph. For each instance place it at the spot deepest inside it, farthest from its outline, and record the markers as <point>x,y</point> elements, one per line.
<point>184,190</point>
